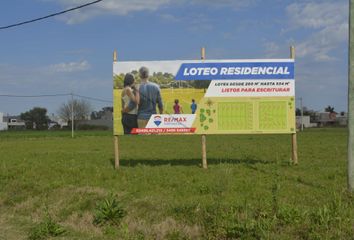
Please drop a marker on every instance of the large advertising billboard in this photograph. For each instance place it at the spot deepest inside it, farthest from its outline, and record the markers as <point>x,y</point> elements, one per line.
<point>204,97</point>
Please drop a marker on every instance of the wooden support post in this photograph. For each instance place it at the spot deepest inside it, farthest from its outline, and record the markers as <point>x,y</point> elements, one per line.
<point>203,53</point>
<point>204,159</point>
<point>294,148</point>
<point>115,56</point>
<point>116,152</point>
<point>116,138</point>
<point>293,136</point>
<point>72,115</point>
<point>204,156</point>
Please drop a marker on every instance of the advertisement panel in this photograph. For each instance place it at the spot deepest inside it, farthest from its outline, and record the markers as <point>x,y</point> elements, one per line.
<point>204,97</point>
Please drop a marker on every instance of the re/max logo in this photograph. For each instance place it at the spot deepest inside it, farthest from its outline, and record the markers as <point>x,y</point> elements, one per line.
<point>175,119</point>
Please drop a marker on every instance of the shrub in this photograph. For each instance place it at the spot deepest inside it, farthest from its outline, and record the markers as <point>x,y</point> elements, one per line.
<point>109,212</point>
<point>47,228</point>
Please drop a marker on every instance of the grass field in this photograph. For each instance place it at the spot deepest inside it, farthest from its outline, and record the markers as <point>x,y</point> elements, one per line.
<point>53,185</point>
<point>184,95</point>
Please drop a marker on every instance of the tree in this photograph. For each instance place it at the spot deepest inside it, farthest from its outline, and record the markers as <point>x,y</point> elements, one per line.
<point>36,118</point>
<point>298,112</point>
<point>306,112</point>
<point>118,81</point>
<point>100,114</point>
<point>329,109</point>
<point>81,110</point>
<point>201,84</point>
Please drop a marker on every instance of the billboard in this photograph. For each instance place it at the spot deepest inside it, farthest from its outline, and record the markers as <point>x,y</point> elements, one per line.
<point>204,97</point>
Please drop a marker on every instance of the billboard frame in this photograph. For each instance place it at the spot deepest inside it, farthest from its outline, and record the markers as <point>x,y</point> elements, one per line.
<point>294,155</point>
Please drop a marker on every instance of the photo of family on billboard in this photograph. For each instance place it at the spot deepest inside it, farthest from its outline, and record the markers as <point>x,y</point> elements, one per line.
<point>145,90</point>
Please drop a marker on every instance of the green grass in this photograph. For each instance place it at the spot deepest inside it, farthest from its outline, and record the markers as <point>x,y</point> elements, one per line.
<point>184,95</point>
<point>249,191</point>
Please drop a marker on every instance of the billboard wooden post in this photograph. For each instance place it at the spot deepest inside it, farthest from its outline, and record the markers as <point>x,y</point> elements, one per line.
<point>204,157</point>
<point>293,135</point>
<point>116,140</point>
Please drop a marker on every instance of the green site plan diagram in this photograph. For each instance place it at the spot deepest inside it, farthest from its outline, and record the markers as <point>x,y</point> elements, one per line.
<point>246,115</point>
<point>235,116</point>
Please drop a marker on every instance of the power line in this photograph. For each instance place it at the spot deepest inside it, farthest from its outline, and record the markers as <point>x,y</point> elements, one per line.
<point>55,95</point>
<point>92,98</point>
<point>34,96</point>
<point>51,15</point>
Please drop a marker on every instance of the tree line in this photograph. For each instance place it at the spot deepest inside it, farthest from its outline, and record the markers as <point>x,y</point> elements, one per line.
<point>313,114</point>
<point>37,118</point>
<point>164,80</point>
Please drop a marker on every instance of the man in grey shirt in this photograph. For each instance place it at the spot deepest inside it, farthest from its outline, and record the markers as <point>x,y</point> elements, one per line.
<point>150,95</point>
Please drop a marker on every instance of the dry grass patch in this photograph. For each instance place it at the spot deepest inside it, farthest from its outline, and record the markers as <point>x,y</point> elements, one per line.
<point>163,230</point>
<point>82,223</point>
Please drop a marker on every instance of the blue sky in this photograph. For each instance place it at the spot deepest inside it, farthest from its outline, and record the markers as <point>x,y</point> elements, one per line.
<point>73,52</point>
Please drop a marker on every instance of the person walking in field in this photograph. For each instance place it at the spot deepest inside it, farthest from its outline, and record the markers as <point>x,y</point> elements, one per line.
<point>150,96</point>
<point>130,97</point>
<point>193,106</point>
<point>177,108</point>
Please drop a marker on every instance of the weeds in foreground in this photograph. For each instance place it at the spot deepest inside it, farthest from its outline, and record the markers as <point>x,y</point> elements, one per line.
<point>109,211</point>
<point>47,228</point>
<point>248,221</point>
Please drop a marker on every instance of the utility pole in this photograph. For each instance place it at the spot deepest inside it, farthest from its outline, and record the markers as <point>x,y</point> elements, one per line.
<point>302,115</point>
<point>351,99</point>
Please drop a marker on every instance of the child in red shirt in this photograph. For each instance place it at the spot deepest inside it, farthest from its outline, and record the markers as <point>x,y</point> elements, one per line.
<point>177,108</point>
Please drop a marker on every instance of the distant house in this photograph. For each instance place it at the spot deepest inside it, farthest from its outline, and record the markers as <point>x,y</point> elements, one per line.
<point>56,120</point>
<point>306,123</point>
<point>101,118</point>
<point>3,123</point>
<point>106,113</point>
<point>342,119</point>
<point>14,122</point>
<point>323,119</point>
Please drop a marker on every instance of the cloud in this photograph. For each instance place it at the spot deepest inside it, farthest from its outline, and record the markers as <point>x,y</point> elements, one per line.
<point>328,24</point>
<point>69,67</point>
<point>79,51</point>
<point>24,75</point>
<point>320,44</point>
<point>37,80</point>
<point>272,49</point>
<point>125,7</point>
<point>200,22</point>
<point>170,18</point>
<point>317,15</point>
<point>111,7</point>
<point>236,5</point>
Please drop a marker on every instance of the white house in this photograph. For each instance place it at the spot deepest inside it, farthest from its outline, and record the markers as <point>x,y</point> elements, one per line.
<point>305,121</point>
<point>58,120</point>
<point>3,125</point>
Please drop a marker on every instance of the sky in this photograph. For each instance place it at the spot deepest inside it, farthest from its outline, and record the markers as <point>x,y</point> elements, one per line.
<point>73,52</point>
